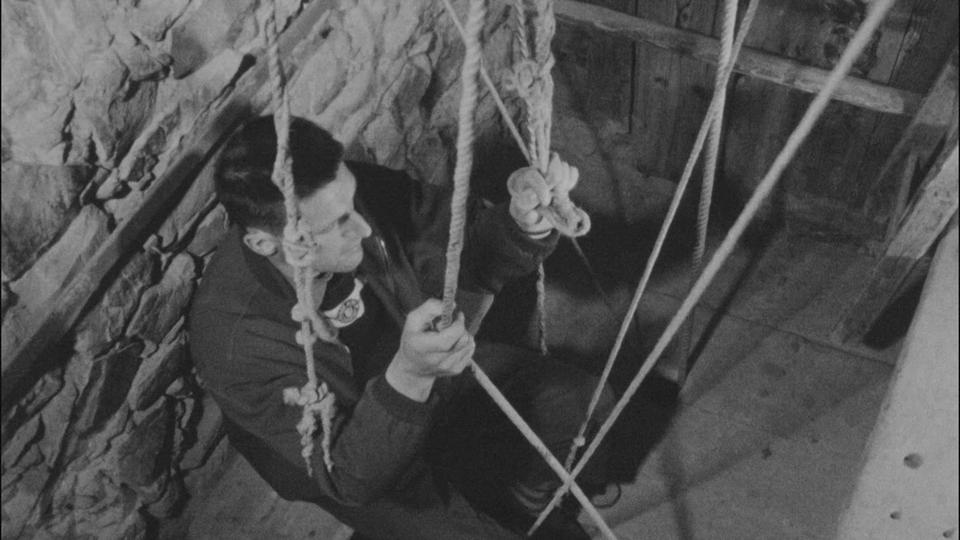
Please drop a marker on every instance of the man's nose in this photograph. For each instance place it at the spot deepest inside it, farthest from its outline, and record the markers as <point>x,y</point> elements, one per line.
<point>359,226</point>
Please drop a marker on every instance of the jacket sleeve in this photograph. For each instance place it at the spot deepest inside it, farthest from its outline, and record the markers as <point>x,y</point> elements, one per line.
<point>376,440</point>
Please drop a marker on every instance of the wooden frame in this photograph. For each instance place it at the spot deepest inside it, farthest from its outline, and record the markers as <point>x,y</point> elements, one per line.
<point>751,62</point>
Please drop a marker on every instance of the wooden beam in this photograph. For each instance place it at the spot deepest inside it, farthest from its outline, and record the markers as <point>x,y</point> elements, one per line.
<point>754,63</point>
<point>25,364</point>
<point>907,486</point>
<point>937,112</point>
<point>934,205</point>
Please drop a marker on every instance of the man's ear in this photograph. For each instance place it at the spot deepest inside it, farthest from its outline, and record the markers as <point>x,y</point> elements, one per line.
<point>261,242</point>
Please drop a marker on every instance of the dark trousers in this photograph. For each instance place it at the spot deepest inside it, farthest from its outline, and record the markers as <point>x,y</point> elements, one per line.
<point>477,458</point>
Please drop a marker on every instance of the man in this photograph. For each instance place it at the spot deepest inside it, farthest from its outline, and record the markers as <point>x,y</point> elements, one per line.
<point>411,434</point>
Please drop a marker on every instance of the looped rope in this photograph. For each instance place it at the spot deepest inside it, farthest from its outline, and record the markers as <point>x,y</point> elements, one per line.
<point>471,67</point>
<point>299,251</point>
<point>567,218</point>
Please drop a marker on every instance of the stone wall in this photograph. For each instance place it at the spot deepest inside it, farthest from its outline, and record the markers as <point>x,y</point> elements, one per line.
<point>98,99</point>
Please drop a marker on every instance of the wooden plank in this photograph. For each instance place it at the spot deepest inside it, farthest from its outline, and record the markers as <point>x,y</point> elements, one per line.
<point>935,204</point>
<point>751,62</point>
<point>671,92</point>
<point>598,68</point>
<point>908,482</point>
<point>21,368</point>
<point>937,112</point>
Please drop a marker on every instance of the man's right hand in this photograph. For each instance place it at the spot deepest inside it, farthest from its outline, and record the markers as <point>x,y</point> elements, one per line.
<point>426,353</point>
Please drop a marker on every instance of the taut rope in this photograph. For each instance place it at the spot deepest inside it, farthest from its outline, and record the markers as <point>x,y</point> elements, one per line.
<point>857,44</point>
<point>471,64</point>
<point>724,70</point>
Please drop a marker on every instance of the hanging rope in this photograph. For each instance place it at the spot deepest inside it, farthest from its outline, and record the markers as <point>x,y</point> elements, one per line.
<point>724,66</point>
<point>856,46</point>
<point>724,70</point>
<point>706,187</point>
<point>469,71</point>
<point>461,173</point>
<point>530,78</point>
<point>314,397</point>
<point>577,224</point>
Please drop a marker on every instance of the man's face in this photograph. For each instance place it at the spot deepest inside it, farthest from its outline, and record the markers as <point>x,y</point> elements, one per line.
<point>336,226</point>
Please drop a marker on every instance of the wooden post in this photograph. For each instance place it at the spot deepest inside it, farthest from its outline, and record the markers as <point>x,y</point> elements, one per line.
<point>934,205</point>
<point>907,487</point>
<point>751,62</point>
<point>937,112</point>
<point>21,368</point>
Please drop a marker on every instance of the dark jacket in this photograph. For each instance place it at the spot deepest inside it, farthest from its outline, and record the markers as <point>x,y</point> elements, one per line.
<point>242,339</point>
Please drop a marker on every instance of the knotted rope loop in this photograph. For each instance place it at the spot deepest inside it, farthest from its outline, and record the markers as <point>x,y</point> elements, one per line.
<point>299,251</point>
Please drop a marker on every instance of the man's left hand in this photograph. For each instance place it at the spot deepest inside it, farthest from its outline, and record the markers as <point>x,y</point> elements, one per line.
<point>530,190</point>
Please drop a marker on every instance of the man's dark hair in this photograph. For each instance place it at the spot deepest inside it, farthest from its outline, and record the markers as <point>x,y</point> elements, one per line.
<point>242,174</point>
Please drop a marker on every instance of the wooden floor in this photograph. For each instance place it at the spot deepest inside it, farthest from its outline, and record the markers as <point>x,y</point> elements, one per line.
<point>763,442</point>
<point>766,437</point>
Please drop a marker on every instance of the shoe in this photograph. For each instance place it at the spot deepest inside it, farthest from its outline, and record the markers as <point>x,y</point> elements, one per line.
<point>606,496</point>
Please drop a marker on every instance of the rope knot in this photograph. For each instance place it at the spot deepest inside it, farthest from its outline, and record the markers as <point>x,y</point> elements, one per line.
<point>315,402</point>
<point>526,79</point>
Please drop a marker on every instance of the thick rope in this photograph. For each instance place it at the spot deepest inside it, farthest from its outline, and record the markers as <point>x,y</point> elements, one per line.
<point>716,104</point>
<point>461,173</point>
<point>876,12</point>
<point>716,129</point>
<point>541,449</point>
<point>706,186</point>
<point>504,112</point>
<point>471,64</point>
<point>315,397</point>
<point>583,225</point>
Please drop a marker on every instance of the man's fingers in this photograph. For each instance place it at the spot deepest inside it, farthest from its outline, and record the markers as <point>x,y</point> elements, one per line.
<point>422,317</point>
<point>561,175</point>
<point>528,189</point>
<point>443,340</point>
<point>455,362</point>
<point>573,176</point>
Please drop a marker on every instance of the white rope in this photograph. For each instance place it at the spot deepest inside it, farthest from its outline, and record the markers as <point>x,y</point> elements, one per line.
<point>723,75</point>
<point>299,251</point>
<point>461,174</point>
<point>468,98</point>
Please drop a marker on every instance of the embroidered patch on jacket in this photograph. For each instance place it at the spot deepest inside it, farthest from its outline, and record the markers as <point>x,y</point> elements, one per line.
<point>348,311</point>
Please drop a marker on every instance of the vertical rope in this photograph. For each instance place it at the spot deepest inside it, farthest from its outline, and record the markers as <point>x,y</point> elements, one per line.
<point>716,129</point>
<point>709,174</point>
<point>876,12</point>
<point>468,98</point>
<point>314,397</point>
<point>723,75</point>
<point>461,173</point>
<point>520,29</point>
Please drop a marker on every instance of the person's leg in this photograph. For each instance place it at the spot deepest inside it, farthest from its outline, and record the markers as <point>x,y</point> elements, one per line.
<point>554,396</point>
<point>488,457</point>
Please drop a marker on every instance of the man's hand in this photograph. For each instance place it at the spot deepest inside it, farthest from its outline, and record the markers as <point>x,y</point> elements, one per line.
<point>529,190</point>
<point>426,354</point>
